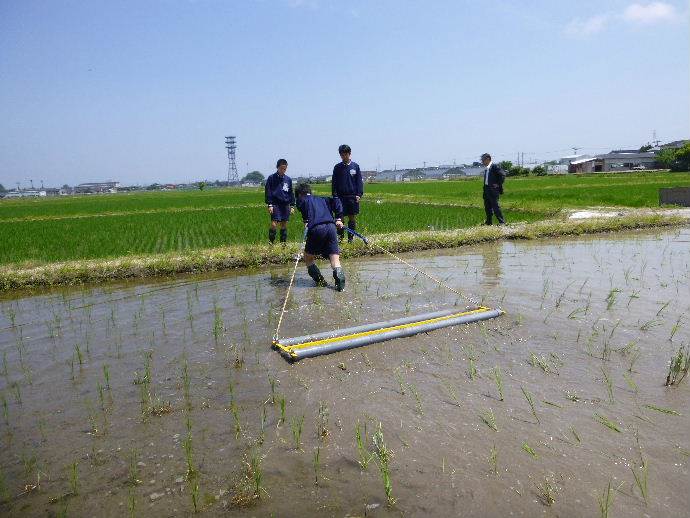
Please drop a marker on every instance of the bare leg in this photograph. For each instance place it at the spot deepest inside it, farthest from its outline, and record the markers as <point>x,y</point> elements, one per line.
<point>335,260</point>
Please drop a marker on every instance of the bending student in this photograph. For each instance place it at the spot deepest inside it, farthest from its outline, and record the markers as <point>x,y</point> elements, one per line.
<point>317,213</point>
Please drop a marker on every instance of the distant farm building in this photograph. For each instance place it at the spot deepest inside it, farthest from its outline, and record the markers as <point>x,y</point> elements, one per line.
<point>96,187</point>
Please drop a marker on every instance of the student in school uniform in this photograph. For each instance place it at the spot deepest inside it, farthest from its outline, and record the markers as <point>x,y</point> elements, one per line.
<point>347,185</point>
<point>318,215</point>
<point>280,199</point>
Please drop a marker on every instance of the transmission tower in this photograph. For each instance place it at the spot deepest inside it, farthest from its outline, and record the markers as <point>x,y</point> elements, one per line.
<point>231,146</point>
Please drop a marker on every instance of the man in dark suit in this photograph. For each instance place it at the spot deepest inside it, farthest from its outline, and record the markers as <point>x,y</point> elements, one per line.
<point>493,188</point>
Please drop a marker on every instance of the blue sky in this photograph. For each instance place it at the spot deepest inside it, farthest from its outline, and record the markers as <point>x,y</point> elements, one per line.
<point>146,91</point>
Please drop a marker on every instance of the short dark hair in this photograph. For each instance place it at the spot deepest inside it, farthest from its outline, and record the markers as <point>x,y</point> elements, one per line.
<point>344,149</point>
<point>302,189</point>
<point>486,155</point>
<point>281,161</point>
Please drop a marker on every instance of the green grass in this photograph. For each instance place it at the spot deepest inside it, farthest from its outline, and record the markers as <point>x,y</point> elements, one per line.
<point>108,236</point>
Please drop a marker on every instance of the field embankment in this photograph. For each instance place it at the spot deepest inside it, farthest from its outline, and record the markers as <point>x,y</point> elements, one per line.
<point>93,238</point>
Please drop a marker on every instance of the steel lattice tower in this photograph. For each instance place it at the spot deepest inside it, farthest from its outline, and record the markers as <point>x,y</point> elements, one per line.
<point>231,146</point>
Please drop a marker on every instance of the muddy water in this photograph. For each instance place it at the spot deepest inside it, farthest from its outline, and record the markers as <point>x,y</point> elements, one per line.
<point>585,309</point>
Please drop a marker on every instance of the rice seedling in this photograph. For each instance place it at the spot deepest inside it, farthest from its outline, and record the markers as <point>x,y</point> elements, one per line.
<point>399,379</point>
<point>606,501</point>
<point>611,298</point>
<point>571,397</point>
<point>551,403</point>
<point>133,475</point>
<point>526,447</point>
<point>188,448</point>
<point>5,410</point>
<point>131,503</point>
<point>5,371</point>
<point>472,370</point>
<point>493,460</point>
<point>606,422</point>
<point>661,409</point>
<point>452,392</point>
<point>664,305</point>
<point>630,381</point>
<point>640,475</point>
<point>418,400</point>
<point>194,492</point>
<point>282,410</point>
<point>632,359</point>
<point>322,421</point>
<point>575,434</point>
<point>539,361</point>
<point>235,411</point>
<point>609,384</point>
<point>257,473</point>
<point>74,478</point>
<point>317,465</point>
<point>80,357</point>
<point>106,375</point>
<point>383,455</point>
<point>218,325</point>
<point>530,401</point>
<point>489,419</point>
<point>674,329</point>
<point>4,490</point>
<point>296,425</point>
<point>678,367</point>
<point>17,392</point>
<point>364,456</point>
<point>499,381</point>
<point>546,492</point>
<point>272,381</point>
<point>650,324</point>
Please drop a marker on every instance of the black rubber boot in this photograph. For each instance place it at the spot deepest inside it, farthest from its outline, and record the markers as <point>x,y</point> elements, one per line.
<point>315,274</point>
<point>341,234</point>
<point>352,226</point>
<point>283,235</point>
<point>339,276</point>
<point>271,235</point>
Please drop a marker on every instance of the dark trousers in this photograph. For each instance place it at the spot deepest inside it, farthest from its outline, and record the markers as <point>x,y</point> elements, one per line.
<point>491,206</point>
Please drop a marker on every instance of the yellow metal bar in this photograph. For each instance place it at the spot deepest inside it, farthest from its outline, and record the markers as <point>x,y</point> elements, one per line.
<point>289,349</point>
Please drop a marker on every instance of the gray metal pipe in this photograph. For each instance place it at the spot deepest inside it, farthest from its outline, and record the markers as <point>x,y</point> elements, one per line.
<point>365,327</point>
<point>318,350</point>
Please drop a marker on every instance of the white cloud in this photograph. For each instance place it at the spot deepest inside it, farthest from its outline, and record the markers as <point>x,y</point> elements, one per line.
<point>588,26</point>
<point>638,14</point>
<point>654,12</point>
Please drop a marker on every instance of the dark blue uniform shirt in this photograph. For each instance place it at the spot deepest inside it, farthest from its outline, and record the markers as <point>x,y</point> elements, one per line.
<point>347,180</point>
<point>316,210</point>
<point>279,190</point>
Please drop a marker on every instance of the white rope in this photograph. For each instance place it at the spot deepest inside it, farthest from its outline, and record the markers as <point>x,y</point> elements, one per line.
<point>292,278</point>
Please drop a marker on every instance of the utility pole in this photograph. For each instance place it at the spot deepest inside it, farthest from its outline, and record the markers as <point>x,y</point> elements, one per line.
<point>32,184</point>
<point>654,139</point>
<point>575,148</point>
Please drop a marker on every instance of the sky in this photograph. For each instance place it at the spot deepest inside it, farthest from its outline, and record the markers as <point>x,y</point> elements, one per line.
<point>146,91</point>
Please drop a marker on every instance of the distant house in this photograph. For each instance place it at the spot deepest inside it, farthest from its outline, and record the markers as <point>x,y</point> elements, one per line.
<point>96,187</point>
<point>27,193</point>
<point>625,160</point>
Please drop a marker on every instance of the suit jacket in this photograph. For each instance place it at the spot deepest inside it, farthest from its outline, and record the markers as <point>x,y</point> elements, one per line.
<point>496,178</point>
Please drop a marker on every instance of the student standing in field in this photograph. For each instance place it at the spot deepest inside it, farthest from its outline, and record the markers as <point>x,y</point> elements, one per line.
<point>347,185</point>
<point>492,189</point>
<point>280,199</point>
<point>322,240</point>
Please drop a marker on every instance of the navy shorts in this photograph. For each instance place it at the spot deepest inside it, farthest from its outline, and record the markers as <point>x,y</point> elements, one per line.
<point>350,205</point>
<point>322,240</point>
<point>281,212</point>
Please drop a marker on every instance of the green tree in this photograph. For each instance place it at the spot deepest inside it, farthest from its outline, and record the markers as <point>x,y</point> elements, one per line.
<point>254,177</point>
<point>201,185</point>
<point>539,170</point>
<point>507,166</point>
<point>645,148</point>
<point>666,157</point>
<point>2,188</point>
<point>682,161</point>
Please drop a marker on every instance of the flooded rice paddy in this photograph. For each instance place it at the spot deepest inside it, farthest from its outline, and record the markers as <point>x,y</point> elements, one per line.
<point>158,399</point>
